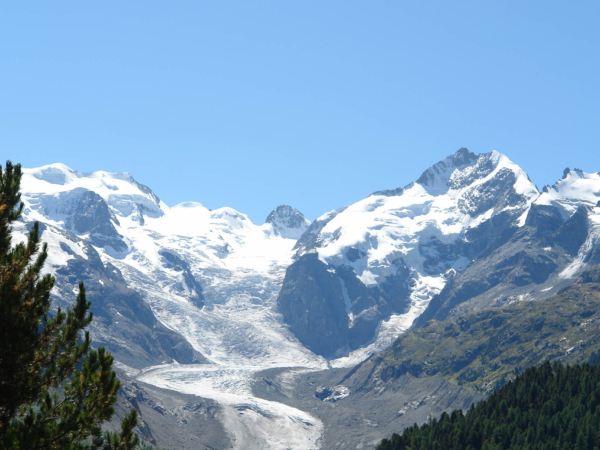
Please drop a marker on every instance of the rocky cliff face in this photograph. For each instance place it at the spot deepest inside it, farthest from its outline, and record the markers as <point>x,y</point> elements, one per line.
<point>389,254</point>
<point>332,311</point>
<point>559,239</point>
<point>123,322</point>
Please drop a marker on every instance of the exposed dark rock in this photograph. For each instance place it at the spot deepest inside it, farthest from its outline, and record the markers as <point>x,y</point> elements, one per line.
<point>354,254</point>
<point>331,309</point>
<point>322,393</point>
<point>312,303</point>
<point>497,192</point>
<point>287,217</point>
<point>87,213</point>
<point>439,256</point>
<point>184,353</point>
<point>545,219</point>
<point>123,322</point>
<point>590,275</point>
<point>176,262</point>
<point>519,258</point>
<point>488,236</point>
<point>573,233</point>
<point>523,268</point>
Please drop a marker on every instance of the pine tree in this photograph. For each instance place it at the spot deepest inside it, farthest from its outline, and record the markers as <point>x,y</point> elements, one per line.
<point>55,391</point>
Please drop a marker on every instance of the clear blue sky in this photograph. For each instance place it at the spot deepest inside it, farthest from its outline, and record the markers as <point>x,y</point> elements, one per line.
<point>251,104</point>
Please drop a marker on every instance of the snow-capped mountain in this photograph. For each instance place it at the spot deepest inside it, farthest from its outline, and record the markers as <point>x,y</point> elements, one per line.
<point>288,222</point>
<point>558,240</point>
<point>386,256</point>
<point>192,286</point>
<point>577,193</point>
<point>576,188</point>
<point>199,301</point>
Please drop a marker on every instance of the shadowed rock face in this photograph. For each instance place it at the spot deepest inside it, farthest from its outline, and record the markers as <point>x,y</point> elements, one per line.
<point>312,303</point>
<point>544,219</point>
<point>191,284</point>
<point>86,213</point>
<point>573,233</point>
<point>523,261</point>
<point>331,310</point>
<point>123,322</point>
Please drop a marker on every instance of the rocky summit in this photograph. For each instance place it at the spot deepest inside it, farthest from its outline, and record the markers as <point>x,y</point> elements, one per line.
<point>288,222</point>
<point>326,334</point>
<point>388,255</point>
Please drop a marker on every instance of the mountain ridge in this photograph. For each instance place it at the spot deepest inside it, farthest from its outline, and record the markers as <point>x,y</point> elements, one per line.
<point>221,299</point>
<point>403,245</point>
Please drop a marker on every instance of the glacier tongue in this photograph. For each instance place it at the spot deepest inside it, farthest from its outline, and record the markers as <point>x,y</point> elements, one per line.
<point>252,423</point>
<point>178,258</point>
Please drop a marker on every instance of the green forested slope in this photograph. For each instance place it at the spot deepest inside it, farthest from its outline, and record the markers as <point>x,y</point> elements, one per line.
<point>550,407</point>
<point>485,349</point>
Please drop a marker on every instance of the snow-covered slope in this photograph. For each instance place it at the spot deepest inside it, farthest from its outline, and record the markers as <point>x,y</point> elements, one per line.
<point>407,241</point>
<point>576,188</point>
<point>455,195</point>
<point>130,224</point>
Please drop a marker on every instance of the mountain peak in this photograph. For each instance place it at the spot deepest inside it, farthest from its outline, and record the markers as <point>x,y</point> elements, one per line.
<point>288,222</point>
<point>57,173</point>
<point>574,189</point>
<point>440,172</point>
<point>57,183</point>
<point>463,154</point>
<point>464,168</point>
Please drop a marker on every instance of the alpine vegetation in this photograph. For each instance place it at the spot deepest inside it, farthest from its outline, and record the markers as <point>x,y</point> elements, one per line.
<point>551,407</point>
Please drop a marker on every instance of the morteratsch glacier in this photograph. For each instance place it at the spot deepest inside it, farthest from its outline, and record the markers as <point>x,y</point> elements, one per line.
<point>214,276</point>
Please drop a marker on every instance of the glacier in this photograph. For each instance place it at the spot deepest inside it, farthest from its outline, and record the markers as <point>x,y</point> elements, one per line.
<point>214,276</point>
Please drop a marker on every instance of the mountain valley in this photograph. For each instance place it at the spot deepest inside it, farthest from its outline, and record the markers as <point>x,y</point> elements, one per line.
<point>333,333</point>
